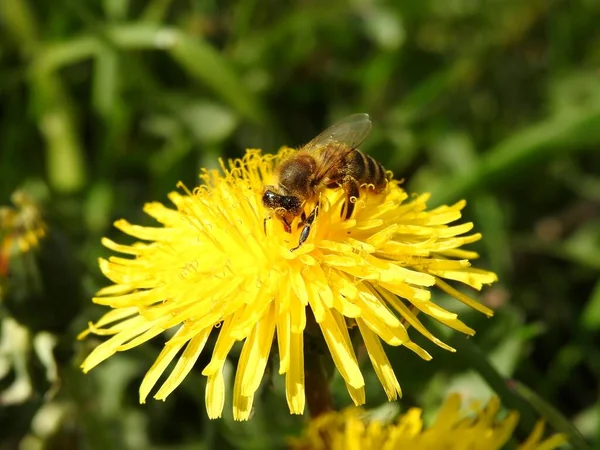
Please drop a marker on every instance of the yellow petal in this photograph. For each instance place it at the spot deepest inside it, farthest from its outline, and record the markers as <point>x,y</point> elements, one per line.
<point>294,378</point>
<point>164,359</point>
<point>184,364</point>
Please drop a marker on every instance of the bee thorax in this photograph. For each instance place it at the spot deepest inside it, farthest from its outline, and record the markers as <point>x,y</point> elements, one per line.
<point>295,175</point>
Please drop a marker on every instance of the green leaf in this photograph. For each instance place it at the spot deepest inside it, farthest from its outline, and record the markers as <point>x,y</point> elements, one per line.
<point>65,162</point>
<point>204,63</point>
<point>198,58</point>
<point>565,133</point>
<point>590,317</point>
<point>552,416</point>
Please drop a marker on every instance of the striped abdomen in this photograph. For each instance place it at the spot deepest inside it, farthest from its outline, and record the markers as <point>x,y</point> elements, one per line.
<point>365,170</point>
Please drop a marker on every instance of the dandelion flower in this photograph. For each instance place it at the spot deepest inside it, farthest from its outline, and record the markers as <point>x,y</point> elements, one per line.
<point>454,429</point>
<point>216,260</point>
<point>21,228</point>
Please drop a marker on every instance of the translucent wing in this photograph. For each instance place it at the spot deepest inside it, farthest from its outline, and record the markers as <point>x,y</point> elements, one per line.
<point>351,131</point>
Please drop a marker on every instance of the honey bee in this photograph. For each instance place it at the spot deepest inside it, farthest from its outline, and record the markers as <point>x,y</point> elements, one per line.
<point>328,161</point>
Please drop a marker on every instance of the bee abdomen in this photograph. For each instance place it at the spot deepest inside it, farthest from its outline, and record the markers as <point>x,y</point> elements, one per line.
<point>372,171</point>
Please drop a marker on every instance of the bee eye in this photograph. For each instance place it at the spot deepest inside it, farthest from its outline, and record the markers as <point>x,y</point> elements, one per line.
<point>291,203</point>
<point>269,199</point>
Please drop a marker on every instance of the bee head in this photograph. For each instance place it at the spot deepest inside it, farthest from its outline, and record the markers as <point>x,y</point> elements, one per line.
<point>290,203</point>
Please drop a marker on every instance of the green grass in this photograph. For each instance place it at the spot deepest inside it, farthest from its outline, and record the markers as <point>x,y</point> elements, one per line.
<point>108,104</point>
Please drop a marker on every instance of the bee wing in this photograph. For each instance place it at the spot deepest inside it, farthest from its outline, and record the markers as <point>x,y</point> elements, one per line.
<point>351,131</point>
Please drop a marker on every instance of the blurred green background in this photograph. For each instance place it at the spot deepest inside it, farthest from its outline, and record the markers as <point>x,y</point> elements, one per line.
<point>107,104</point>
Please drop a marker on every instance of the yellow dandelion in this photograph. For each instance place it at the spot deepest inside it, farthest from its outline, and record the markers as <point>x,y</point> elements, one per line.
<point>454,429</point>
<point>21,228</point>
<point>218,261</point>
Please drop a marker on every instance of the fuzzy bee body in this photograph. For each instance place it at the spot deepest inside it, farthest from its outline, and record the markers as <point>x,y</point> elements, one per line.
<point>329,161</point>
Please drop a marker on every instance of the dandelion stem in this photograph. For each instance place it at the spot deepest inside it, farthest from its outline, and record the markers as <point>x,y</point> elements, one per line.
<point>318,395</point>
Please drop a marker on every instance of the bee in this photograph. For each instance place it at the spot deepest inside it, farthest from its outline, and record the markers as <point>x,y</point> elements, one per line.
<point>331,160</point>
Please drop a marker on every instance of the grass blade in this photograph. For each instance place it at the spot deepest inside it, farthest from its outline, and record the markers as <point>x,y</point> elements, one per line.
<point>564,133</point>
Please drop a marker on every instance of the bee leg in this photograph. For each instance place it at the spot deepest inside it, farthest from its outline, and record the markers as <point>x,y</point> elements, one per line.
<point>306,230</point>
<point>286,226</point>
<point>350,186</point>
